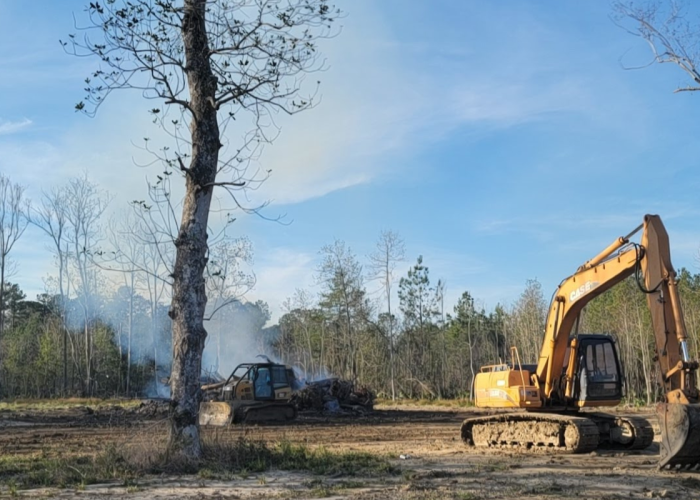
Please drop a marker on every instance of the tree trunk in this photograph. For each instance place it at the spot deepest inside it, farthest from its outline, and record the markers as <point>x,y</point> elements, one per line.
<point>121,358</point>
<point>64,326</point>
<point>218,342</point>
<point>88,359</point>
<point>154,330</point>
<point>387,287</point>
<point>131,330</point>
<point>2,312</point>
<point>189,293</point>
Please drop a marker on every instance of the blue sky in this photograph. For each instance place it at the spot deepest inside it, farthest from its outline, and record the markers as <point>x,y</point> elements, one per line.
<point>503,141</point>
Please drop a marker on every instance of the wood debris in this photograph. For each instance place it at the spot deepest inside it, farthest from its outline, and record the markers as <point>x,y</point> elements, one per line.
<point>333,395</point>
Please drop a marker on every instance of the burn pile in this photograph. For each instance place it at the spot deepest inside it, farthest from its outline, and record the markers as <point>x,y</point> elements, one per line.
<point>153,408</point>
<point>333,395</point>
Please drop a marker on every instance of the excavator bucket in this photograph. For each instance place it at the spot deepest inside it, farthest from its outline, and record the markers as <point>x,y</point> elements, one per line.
<point>680,435</point>
<point>215,413</point>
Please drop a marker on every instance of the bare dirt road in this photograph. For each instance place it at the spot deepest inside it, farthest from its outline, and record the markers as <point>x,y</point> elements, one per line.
<point>435,463</point>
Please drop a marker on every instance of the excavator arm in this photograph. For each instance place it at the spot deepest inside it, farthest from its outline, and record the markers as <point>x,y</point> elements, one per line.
<point>573,294</point>
<point>651,262</point>
<point>677,369</point>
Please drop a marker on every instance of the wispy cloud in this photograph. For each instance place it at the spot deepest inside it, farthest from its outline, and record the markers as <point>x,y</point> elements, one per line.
<point>377,105</point>
<point>279,273</point>
<point>510,104</point>
<point>398,107</point>
<point>606,219</point>
<point>10,127</point>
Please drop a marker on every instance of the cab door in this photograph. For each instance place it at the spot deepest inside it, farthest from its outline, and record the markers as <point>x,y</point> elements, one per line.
<point>262,383</point>
<point>599,377</point>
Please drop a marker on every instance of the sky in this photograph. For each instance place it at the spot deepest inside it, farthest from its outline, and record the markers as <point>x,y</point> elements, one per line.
<point>503,141</point>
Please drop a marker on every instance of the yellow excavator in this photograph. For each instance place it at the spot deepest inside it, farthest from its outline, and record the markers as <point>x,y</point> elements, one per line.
<point>254,392</point>
<point>578,370</point>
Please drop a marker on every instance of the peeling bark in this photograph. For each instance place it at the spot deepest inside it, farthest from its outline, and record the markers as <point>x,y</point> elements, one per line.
<point>189,293</point>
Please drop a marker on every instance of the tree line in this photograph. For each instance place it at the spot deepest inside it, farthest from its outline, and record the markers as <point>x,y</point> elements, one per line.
<point>128,357</point>
<point>102,326</point>
<point>421,350</point>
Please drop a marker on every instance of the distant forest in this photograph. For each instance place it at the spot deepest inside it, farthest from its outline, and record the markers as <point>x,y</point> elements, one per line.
<point>102,327</point>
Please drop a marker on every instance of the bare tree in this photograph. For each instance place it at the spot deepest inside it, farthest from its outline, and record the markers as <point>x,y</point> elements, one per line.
<point>14,212</point>
<point>343,297</point>
<point>51,217</point>
<point>156,263</point>
<point>528,318</point>
<point>140,250</point>
<point>226,277</point>
<point>388,253</point>
<point>156,230</point>
<point>207,63</point>
<point>127,257</point>
<point>85,203</point>
<point>300,307</point>
<point>664,26</point>
<point>227,281</point>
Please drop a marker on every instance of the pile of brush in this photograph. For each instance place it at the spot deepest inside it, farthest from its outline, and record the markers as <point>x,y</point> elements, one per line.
<point>152,408</point>
<point>333,395</point>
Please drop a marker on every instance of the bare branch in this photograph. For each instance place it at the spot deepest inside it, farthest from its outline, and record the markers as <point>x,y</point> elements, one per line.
<point>671,38</point>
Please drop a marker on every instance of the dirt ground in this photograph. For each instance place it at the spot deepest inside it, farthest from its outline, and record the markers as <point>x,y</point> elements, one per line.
<point>435,463</point>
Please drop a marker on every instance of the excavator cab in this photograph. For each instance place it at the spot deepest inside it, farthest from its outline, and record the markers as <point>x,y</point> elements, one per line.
<point>597,377</point>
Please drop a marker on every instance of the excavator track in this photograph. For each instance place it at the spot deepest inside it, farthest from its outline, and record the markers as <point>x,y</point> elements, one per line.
<point>643,432</point>
<point>622,433</point>
<point>272,412</point>
<point>530,431</point>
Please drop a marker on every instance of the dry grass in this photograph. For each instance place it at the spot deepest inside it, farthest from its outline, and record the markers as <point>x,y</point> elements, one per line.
<point>65,403</point>
<point>45,470</point>
<point>444,403</point>
<point>220,459</point>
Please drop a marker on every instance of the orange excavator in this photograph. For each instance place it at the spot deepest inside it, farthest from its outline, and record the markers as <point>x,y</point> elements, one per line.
<point>577,371</point>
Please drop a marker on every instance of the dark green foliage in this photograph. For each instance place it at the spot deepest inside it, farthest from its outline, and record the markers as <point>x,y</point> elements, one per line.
<point>32,350</point>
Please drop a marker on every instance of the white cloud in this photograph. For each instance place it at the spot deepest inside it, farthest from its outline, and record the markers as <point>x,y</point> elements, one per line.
<point>590,223</point>
<point>380,104</point>
<point>510,104</point>
<point>10,127</point>
<point>279,273</point>
<point>377,106</point>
